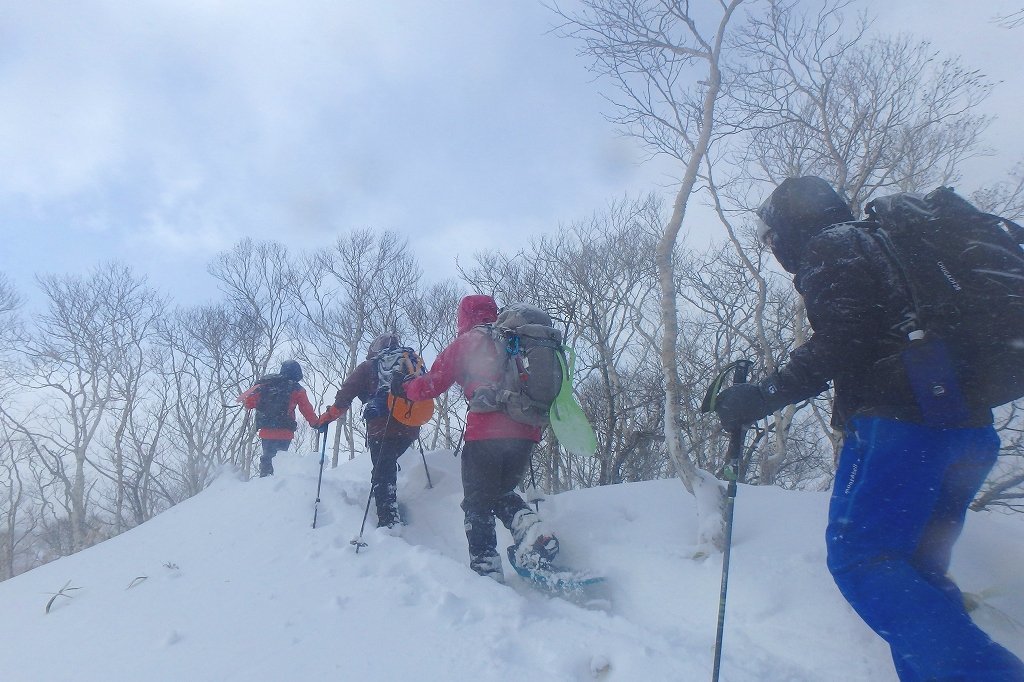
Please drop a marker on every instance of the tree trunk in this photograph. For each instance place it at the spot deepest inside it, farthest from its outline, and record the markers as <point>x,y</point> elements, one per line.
<point>706,489</point>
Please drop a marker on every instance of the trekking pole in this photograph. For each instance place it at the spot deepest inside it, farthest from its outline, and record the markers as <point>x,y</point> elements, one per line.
<point>358,542</point>
<point>533,485</point>
<point>320,480</point>
<point>741,368</point>
<point>425,468</point>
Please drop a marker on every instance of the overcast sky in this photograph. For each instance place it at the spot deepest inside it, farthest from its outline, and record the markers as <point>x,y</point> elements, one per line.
<point>158,132</point>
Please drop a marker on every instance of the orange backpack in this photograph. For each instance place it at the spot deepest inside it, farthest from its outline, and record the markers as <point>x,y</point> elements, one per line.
<point>409,363</point>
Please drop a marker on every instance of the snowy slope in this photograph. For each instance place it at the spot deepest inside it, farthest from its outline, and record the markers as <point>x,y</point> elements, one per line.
<point>238,586</point>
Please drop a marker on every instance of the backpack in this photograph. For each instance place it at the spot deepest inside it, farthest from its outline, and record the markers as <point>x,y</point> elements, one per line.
<point>408,412</point>
<point>964,271</point>
<point>273,396</point>
<point>530,376</point>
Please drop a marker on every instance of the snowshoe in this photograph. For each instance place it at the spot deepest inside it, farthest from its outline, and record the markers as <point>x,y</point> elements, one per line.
<point>555,579</point>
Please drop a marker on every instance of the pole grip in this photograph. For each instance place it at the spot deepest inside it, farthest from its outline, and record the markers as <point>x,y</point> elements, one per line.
<point>742,370</point>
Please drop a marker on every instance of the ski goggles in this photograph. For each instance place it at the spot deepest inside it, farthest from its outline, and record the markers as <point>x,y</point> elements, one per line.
<point>765,233</point>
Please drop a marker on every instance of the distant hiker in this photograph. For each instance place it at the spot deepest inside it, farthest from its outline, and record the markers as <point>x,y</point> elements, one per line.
<point>389,432</point>
<point>911,461</point>
<point>498,449</point>
<point>275,397</point>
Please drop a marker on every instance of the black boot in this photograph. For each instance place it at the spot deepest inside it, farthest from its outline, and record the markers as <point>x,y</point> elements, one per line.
<point>387,509</point>
<point>488,564</point>
<point>483,558</point>
<point>266,466</point>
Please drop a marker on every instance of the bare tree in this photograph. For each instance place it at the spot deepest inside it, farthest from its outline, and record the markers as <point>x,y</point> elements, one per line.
<point>605,289</point>
<point>667,64</point>
<point>10,301</point>
<point>204,365</point>
<point>255,277</point>
<point>348,294</point>
<point>1004,488</point>
<point>1004,198</point>
<point>70,358</point>
<point>146,446</point>
<point>19,521</point>
<point>868,113</point>
<point>1013,19</point>
<point>133,310</point>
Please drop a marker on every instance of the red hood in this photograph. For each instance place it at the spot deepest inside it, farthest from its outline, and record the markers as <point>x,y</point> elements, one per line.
<point>476,309</point>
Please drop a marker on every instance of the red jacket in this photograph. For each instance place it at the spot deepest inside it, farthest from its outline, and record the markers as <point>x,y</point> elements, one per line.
<point>472,360</point>
<point>297,399</point>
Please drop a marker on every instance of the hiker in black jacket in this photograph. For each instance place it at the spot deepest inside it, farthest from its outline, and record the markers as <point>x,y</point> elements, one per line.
<point>902,487</point>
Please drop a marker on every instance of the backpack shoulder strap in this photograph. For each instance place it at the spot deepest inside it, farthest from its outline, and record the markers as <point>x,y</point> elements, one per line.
<point>912,324</point>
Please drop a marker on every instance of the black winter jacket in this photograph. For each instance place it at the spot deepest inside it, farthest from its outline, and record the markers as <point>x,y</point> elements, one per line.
<point>856,303</point>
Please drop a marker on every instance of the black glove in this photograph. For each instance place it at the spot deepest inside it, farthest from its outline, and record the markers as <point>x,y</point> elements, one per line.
<point>322,428</point>
<point>398,384</point>
<point>740,405</point>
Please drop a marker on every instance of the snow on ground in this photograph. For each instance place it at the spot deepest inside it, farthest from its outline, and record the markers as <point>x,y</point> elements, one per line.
<point>234,584</point>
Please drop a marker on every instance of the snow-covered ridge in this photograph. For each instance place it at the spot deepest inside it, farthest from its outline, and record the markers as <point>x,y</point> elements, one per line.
<point>234,584</point>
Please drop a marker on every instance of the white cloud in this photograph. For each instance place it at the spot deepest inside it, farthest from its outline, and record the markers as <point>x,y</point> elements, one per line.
<point>183,126</point>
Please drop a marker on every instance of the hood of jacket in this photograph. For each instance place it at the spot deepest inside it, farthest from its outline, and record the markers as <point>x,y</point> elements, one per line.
<point>798,209</point>
<point>381,342</point>
<point>476,309</point>
<point>290,369</point>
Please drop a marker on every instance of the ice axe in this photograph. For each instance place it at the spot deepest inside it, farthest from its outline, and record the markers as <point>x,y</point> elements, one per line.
<point>739,370</point>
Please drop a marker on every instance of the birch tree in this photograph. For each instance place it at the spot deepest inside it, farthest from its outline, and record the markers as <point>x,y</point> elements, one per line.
<point>667,64</point>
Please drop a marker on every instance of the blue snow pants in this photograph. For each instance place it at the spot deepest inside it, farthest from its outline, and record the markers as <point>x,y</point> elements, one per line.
<point>898,505</point>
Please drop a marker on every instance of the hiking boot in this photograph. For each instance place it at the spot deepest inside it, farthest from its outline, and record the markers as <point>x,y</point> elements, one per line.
<point>266,466</point>
<point>535,544</point>
<point>394,528</point>
<point>389,519</point>
<point>488,565</point>
<point>388,515</point>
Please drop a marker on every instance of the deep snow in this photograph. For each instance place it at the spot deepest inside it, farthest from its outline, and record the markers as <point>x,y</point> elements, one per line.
<point>234,584</point>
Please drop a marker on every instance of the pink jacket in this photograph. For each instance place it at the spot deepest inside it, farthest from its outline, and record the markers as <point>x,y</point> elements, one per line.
<point>470,361</point>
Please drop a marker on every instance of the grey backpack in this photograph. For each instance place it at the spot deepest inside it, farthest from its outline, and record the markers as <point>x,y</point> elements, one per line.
<point>531,372</point>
